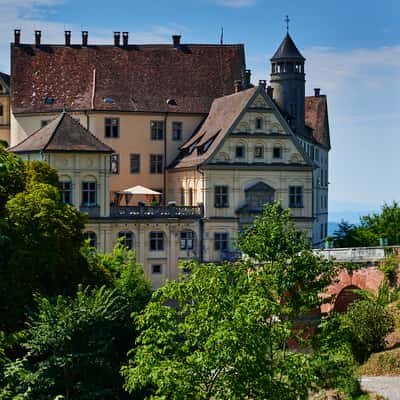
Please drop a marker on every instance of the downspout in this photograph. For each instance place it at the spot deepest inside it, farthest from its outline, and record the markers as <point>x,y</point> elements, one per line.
<point>201,221</point>
<point>165,161</point>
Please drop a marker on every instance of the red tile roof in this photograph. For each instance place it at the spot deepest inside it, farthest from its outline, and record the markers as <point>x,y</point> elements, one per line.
<point>316,117</point>
<point>136,78</point>
<point>62,134</point>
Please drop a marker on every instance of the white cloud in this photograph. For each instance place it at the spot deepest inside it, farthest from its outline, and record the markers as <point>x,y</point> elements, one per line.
<point>235,3</point>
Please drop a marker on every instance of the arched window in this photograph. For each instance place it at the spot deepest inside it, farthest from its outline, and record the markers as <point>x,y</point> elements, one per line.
<point>127,239</point>
<point>187,240</point>
<point>92,237</point>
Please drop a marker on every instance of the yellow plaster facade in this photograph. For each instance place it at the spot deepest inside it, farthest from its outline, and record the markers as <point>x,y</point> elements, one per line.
<point>4,114</point>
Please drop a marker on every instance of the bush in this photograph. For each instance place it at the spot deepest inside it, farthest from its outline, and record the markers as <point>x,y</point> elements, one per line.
<point>368,324</point>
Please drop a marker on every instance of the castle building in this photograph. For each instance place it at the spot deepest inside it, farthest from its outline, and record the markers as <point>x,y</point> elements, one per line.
<point>4,107</point>
<point>171,147</point>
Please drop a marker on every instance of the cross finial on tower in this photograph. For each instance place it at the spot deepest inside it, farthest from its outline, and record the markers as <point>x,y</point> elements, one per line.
<point>287,20</point>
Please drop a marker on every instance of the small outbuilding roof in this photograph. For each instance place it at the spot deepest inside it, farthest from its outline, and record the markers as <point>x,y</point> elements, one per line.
<point>62,134</point>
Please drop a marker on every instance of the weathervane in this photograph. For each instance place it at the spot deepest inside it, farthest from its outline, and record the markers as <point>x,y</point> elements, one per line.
<point>287,20</point>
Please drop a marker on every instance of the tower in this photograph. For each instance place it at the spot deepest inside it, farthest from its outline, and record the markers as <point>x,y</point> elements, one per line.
<point>288,82</point>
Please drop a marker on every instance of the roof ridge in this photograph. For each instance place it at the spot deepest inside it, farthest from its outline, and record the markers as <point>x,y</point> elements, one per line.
<point>54,130</point>
<point>90,133</point>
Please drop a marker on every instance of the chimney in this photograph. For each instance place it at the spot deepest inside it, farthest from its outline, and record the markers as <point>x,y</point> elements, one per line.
<point>263,83</point>
<point>85,35</point>
<point>117,36</point>
<point>125,37</point>
<point>176,39</point>
<point>67,38</point>
<point>317,92</point>
<point>38,35</point>
<point>17,36</point>
<point>270,91</point>
<point>238,86</point>
<point>247,75</point>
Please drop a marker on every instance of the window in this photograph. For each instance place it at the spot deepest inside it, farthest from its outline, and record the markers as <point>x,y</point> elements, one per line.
<point>176,130</point>
<point>221,198</point>
<point>156,269</point>
<point>321,231</point>
<point>239,151</point>
<point>111,127</point>
<point>156,241</point>
<point>220,241</point>
<point>182,196</point>
<point>135,163</point>
<point>127,239</point>
<point>258,152</point>
<point>66,192</point>
<point>89,194</point>
<point>114,164</point>
<point>157,130</point>
<point>92,237</point>
<point>277,152</point>
<point>187,240</point>
<point>259,123</point>
<point>190,195</point>
<point>296,196</point>
<point>156,163</point>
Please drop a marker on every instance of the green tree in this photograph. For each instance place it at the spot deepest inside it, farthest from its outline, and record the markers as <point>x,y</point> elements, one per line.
<point>40,240</point>
<point>371,228</point>
<point>221,332</point>
<point>74,346</point>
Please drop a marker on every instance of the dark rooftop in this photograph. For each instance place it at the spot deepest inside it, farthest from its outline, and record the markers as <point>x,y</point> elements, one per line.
<point>62,134</point>
<point>287,49</point>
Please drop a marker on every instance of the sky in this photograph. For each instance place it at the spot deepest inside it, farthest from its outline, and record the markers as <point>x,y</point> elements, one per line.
<point>352,49</point>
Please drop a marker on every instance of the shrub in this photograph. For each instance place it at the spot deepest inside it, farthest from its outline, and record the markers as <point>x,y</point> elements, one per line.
<point>368,324</point>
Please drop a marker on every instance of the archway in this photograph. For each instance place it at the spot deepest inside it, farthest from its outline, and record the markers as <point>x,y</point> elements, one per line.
<point>345,298</point>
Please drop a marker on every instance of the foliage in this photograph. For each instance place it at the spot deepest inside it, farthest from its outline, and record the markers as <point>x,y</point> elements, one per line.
<point>222,332</point>
<point>40,172</point>
<point>74,347</point>
<point>371,228</point>
<point>40,240</point>
<point>368,323</point>
<point>389,267</point>
<point>12,177</point>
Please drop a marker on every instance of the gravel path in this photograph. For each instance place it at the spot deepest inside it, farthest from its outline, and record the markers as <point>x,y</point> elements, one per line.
<point>387,386</point>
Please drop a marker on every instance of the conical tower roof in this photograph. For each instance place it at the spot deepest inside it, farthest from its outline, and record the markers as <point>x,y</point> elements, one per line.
<point>287,49</point>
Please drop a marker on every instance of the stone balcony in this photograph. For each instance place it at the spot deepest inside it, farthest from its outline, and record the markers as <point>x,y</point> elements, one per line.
<point>149,212</point>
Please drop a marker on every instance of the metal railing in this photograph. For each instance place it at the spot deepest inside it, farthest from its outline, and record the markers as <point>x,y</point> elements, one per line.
<point>144,211</point>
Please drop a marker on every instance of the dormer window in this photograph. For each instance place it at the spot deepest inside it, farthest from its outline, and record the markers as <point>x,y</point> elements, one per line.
<point>259,123</point>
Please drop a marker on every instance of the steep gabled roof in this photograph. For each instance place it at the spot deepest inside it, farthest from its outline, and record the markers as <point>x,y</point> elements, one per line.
<point>223,114</point>
<point>62,134</point>
<point>136,78</point>
<point>287,49</point>
<point>5,79</point>
<point>316,117</point>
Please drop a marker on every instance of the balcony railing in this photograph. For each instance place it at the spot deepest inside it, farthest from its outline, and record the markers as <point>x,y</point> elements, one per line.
<point>92,211</point>
<point>156,212</point>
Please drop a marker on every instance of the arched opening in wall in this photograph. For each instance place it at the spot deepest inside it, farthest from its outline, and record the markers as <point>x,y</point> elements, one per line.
<point>91,237</point>
<point>347,296</point>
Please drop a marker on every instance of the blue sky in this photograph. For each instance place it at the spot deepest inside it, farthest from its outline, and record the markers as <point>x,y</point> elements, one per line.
<point>352,49</point>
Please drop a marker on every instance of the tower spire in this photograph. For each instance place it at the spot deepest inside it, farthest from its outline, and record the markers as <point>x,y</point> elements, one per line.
<point>287,20</point>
